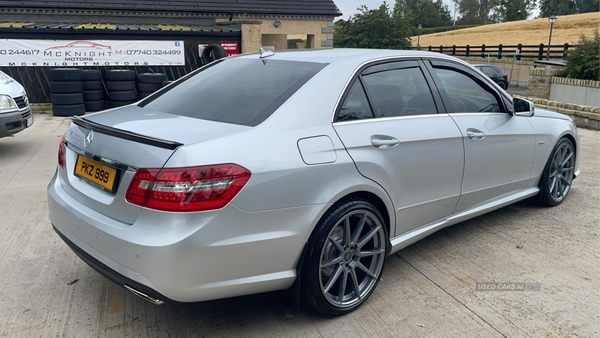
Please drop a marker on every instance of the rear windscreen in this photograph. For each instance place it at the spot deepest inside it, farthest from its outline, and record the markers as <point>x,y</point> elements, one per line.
<point>239,91</point>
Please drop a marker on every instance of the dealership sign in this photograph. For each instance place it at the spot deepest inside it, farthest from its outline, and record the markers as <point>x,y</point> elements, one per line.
<point>231,47</point>
<point>53,53</point>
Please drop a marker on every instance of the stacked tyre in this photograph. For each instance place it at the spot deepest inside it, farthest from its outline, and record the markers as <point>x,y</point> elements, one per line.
<point>120,84</point>
<point>93,90</point>
<point>149,83</point>
<point>66,87</point>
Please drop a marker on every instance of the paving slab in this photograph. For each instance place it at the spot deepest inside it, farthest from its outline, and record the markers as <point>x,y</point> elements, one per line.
<point>427,290</point>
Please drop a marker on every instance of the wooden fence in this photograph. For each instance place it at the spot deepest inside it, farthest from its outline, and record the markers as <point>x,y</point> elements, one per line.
<point>537,52</point>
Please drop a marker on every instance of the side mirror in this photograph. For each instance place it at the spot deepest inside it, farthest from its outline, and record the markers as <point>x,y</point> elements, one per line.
<point>523,107</point>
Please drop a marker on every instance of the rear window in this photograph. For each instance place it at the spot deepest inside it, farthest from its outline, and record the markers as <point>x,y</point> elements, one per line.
<point>238,91</point>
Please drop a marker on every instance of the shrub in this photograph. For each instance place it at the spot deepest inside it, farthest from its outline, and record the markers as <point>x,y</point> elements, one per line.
<point>584,62</point>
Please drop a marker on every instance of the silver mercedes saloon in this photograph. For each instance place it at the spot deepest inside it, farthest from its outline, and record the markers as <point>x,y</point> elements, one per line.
<point>298,170</point>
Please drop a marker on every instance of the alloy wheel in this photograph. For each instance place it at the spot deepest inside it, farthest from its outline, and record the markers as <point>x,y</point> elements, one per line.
<point>352,258</point>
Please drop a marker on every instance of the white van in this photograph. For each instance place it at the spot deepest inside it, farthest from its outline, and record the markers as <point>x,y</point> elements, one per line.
<point>15,113</point>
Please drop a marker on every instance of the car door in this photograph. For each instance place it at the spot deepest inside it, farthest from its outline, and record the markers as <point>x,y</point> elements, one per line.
<point>390,125</point>
<point>499,147</point>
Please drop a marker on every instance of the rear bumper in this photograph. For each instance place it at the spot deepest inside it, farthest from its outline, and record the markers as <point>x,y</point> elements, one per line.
<point>187,257</point>
<point>12,123</point>
<point>112,275</point>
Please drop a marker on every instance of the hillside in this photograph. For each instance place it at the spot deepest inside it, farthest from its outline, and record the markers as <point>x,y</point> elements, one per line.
<point>567,29</point>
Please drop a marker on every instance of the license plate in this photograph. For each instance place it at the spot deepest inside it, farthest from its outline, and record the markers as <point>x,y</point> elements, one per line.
<point>98,174</point>
<point>29,121</point>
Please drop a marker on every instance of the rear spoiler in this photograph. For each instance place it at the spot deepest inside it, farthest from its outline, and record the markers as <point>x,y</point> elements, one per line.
<point>124,134</point>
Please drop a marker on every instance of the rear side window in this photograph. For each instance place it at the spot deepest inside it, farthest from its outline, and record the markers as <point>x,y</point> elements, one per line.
<point>238,91</point>
<point>356,106</point>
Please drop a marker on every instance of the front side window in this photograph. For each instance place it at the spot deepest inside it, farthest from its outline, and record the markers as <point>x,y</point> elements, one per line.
<point>466,94</point>
<point>238,91</point>
<point>399,92</point>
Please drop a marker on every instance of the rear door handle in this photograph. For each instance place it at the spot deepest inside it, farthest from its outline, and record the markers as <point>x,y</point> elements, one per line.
<point>383,141</point>
<point>475,134</point>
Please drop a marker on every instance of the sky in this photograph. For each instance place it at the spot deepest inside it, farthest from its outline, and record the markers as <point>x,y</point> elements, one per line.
<point>348,7</point>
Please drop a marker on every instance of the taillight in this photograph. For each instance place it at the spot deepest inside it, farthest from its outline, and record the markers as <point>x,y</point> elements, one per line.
<point>187,189</point>
<point>61,153</point>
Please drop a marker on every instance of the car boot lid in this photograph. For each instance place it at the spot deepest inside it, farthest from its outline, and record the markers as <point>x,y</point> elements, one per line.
<point>169,129</point>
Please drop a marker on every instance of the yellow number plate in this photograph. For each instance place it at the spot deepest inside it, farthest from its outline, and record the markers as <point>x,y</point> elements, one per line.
<point>97,173</point>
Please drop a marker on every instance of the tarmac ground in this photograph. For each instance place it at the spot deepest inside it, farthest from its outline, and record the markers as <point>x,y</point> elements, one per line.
<point>427,290</point>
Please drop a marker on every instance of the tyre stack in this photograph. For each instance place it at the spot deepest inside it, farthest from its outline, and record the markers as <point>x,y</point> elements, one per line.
<point>93,90</point>
<point>120,84</point>
<point>66,91</point>
<point>149,83</point>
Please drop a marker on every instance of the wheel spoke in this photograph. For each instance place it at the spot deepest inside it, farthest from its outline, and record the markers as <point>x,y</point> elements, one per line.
<point>333,278</point>
<point>562,153</point>
<point>336,243</point>
<point>559,189</point>
<point>359,228</point>
<point>347,231</point>
<point>553,185</point>
<point>563,163</point>
<point>564,179</point>
<point>355,284</point>
<point>343,286</point>
<point>368,236</point>
<point>369,253</point>
<point>331,262</point>
<point>364,268</point>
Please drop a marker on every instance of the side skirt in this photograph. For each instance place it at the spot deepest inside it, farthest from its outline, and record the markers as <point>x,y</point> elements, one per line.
<point>408,238</point>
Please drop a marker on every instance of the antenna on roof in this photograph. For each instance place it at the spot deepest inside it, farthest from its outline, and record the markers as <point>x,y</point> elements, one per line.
<point>265,54</point>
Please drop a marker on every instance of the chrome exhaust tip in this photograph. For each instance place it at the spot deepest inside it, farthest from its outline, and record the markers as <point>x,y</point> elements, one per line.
<point>143,295</point>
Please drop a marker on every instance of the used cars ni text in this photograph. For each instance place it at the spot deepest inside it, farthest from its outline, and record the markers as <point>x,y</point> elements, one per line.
<point>301,169</point>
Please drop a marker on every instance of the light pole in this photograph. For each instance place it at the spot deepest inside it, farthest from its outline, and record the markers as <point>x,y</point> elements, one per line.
<point>419,38</point>
<point>552,20</point>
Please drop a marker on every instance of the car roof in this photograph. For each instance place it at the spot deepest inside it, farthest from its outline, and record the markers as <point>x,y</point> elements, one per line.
<point>351,57</point>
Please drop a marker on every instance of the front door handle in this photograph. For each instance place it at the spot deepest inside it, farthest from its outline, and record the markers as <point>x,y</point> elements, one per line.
<point>383,141</point>
<point>475,134</point>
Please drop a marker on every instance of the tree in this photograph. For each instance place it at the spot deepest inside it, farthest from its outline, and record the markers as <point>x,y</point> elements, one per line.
<point>584,62</point>
<point>428,13</point>
<point>514,10</point>
<point>380,28</point>
<point>475,12</point>
<point>566,7</point>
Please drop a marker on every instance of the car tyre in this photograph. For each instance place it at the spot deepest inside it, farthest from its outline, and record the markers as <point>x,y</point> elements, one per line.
<point>502,85</point>
<point>91,75</point>
<point>70,98</point>
<point>92,85</point>
<point>149,87</point>
<point>120,85</point>
<point>57,87</point>
<point>156,78</point>
<point>120,75</point>
<point>93,95</point>
<point>94,105</point>
<point>557,177</point>
<point>68,110</point>
<point>344,257</point>
<point>123,95</point>
<point>65,74</point>
<point>213,52</point>
<point>115,104</point>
